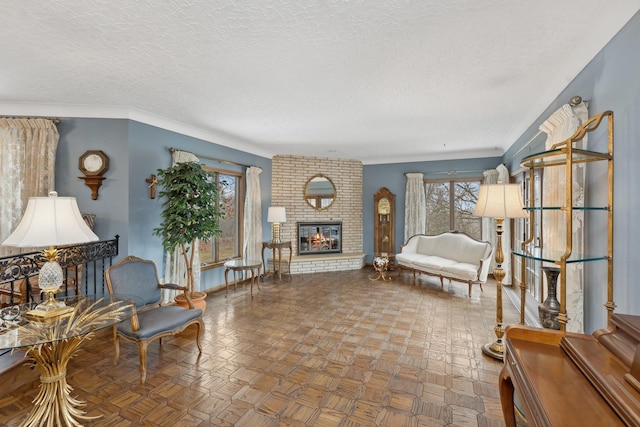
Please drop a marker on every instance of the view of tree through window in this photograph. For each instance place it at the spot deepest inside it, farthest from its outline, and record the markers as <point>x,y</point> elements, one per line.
<point>229,243</point>
<point>450,205</point>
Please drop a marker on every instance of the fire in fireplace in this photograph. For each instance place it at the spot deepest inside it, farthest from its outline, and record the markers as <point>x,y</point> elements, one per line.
<point>319,238</point>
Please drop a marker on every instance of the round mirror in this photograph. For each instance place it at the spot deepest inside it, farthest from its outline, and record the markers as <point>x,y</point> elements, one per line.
<point>319,192</point>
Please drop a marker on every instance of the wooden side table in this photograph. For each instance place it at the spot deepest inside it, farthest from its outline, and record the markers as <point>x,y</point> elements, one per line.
<point>241,265</point>
<point>277,246</point>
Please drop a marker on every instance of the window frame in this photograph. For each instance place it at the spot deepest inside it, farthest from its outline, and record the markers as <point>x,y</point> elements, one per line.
<point>240,200</point>
<point>452,210</point>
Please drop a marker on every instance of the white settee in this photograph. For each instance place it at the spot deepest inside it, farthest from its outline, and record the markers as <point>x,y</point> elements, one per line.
<point>452,255</point>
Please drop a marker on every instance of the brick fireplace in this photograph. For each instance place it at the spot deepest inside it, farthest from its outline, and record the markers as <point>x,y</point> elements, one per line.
<point>289,176</point>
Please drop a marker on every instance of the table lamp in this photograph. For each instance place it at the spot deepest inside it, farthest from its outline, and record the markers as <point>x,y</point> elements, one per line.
<point>499,201</point>
<point>50,221</point>
<point>276,215</point>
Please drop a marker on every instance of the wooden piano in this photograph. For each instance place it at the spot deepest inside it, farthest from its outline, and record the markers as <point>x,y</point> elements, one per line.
<point>565,379</point>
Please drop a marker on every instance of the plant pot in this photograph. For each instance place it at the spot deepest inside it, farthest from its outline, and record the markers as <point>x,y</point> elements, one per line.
<point>198,298</point>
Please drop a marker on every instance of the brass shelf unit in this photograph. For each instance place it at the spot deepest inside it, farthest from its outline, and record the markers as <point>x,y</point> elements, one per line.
<point>564,154</point>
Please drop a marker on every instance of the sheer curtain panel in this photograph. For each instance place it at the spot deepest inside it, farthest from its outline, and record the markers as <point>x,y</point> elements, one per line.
<point>489,224</point>
<point>558,127</point>
<point>27,168</point>
<point>253,215</point>
<point>415,206</point>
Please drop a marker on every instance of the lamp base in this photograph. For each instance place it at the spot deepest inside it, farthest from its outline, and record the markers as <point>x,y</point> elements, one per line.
<point>50,304</point>
<point>275,233</point>
<point>494,349</point>
<point>49,314</point>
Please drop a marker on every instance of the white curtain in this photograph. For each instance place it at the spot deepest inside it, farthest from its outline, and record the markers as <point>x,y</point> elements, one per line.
<point>489,224</point>
<point>415,206</point>
<point>495,176</point>
<point>27,169</point>
<point>175,267</point>
<point>503,177</point>
<point>558,127</point>
<point>253,215</point>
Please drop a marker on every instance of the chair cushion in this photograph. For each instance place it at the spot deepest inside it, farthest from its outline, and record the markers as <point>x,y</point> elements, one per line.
<point>159,320</point>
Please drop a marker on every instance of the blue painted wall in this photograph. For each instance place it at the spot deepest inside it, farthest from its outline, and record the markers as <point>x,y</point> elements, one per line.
<point>111,208</point>
<point>135,152</point>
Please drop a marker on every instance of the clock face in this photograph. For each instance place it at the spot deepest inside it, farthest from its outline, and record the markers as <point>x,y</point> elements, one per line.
<point>93,163</point>
<point>384,207</point>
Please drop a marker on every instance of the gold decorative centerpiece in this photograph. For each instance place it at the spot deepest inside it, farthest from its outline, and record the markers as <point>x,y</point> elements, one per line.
<point>49,279</point>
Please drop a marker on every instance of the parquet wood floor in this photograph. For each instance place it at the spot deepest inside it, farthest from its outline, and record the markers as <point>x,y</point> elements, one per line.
<point>325,349</point>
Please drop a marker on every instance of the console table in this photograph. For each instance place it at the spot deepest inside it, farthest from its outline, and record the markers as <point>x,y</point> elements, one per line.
<point>51,341</point>
<point>277,247</point>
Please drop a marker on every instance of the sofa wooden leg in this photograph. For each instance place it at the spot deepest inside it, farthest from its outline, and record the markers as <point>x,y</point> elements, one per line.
<point>441,283</point>
<point>470,289</point>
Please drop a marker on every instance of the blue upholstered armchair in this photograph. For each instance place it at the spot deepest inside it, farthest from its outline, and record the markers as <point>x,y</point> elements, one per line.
<point>139,278</point>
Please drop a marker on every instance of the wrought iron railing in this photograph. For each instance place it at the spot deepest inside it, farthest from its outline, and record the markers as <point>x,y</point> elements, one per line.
<point>83,269</point>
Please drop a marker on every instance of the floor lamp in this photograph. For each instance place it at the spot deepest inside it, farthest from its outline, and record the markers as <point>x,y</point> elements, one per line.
<point>499,201</point>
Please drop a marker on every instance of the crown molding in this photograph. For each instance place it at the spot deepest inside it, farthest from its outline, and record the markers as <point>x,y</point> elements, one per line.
<point>63,111</point>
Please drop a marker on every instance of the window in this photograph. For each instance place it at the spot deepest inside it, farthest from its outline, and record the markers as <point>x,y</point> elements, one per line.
<point>229,244</point>
<point>450,205</point>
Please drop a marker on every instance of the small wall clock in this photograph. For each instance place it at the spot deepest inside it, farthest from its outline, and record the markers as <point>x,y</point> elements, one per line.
<point>93,164</point>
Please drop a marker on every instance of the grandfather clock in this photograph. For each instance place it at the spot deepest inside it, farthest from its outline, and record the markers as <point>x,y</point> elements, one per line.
<point>384,219</point>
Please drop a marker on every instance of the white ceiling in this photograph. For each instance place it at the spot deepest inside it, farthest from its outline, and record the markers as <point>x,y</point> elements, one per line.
<point>379,81</point>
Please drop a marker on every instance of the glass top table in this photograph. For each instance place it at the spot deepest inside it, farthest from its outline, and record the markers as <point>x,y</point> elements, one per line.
<point>235,265</point>
<point>24,325</point>
<point>51,340</point>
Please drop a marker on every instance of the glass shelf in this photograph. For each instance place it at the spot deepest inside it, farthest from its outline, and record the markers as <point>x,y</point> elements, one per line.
<point>558,208</point>
<point>554,256</point>
<point>558,156</point>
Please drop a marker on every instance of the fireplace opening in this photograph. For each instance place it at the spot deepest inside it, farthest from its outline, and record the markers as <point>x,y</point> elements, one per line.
<point>319,238</point>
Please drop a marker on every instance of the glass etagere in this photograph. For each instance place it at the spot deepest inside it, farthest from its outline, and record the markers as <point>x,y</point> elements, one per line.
<point>566,155</point>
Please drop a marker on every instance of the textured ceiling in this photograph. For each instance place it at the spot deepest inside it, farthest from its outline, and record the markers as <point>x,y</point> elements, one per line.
<point>373,80</point>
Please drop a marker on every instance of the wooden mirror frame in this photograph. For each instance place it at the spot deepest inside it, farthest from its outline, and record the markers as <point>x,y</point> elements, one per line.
<point>315,199</point>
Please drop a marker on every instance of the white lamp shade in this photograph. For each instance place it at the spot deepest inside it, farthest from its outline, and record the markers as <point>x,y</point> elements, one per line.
<point>50,221</point>
<point>500,201</point>
<point>276,214</point>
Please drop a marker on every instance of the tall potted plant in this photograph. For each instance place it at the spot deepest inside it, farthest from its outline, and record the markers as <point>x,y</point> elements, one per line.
<point>191,211</point>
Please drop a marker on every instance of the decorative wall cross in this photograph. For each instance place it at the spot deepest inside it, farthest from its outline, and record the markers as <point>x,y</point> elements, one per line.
<point>153,181</point>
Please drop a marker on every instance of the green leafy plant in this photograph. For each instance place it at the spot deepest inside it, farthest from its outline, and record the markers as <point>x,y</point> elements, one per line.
<point>191,210</point>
